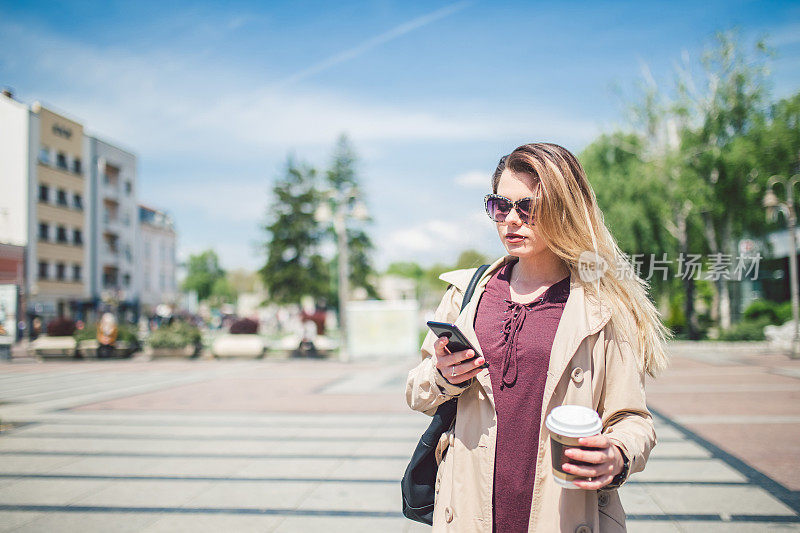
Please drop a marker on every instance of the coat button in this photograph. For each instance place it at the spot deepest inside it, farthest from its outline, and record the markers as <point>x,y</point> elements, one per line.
<point>583,529</point>
<point>577,375</point>
<point>602,499</point>
<point>448,514</point>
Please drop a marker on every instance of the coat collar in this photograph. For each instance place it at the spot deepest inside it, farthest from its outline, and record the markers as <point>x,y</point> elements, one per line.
<point>583,315</point>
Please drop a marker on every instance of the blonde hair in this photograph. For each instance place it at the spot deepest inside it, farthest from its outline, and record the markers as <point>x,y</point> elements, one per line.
<point>569,220</point>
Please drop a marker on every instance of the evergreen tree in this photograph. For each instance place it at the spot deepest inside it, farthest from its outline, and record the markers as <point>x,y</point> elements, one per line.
<point>294,266</point>
<point>342,178</point>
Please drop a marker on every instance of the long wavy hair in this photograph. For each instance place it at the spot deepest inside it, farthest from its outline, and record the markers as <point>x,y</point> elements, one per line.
<point>571,223</point>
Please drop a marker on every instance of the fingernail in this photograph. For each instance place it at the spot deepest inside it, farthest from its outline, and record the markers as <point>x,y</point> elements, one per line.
<point>478,362</point>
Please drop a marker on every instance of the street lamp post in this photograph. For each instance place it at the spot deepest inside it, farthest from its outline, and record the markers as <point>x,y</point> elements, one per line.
<point>340,227</point>
<point>773,206</point>
<point>344,208</point>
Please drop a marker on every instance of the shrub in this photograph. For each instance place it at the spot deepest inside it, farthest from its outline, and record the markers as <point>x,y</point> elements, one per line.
<point>775,312</point>
<point>175,335</point>
<point>245,326</point>
<point>61,327</point>
<point>125,333</point>
<point>746,330</point>
<point>784,312</point>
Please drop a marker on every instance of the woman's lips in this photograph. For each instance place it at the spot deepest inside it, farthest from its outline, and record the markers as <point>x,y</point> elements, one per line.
<point>514,237</point>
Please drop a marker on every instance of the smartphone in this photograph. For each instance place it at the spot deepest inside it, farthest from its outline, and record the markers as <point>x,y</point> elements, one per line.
<point>457,341</point>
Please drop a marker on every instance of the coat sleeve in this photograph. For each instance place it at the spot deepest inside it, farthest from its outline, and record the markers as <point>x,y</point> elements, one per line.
<point>426,388</point>
<point>623,408</point>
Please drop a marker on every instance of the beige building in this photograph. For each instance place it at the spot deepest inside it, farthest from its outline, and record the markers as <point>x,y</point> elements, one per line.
<point>58,256</point>
<point>43,180</point>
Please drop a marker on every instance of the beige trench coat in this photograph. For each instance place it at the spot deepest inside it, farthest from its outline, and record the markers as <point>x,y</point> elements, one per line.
<point>591,364</point>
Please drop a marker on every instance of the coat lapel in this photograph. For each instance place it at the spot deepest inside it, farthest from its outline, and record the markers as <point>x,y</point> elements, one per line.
<point>583,315</point>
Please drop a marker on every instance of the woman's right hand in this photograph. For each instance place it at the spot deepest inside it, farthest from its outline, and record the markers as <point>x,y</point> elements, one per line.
<point>452,366</point>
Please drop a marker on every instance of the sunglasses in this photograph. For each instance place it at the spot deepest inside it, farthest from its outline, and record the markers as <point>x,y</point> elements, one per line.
<point>499,207</point>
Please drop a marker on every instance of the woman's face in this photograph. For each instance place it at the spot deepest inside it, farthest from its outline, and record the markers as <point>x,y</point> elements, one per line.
<point>520,239</point>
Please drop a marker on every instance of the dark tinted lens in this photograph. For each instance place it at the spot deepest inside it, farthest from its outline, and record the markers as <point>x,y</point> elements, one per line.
<point>524,208</point>
<point>498,208</point>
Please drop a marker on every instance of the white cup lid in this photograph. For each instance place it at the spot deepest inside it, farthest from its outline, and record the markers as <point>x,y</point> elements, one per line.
<point>574,421</point>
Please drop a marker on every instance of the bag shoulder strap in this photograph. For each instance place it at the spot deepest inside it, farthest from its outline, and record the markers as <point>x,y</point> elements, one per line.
<point>472,284</point>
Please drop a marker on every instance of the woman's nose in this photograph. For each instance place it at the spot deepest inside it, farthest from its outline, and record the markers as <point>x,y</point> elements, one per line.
<point>513,218</point>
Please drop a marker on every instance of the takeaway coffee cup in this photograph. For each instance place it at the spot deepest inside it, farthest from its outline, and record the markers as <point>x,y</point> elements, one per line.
<point>568,423</point>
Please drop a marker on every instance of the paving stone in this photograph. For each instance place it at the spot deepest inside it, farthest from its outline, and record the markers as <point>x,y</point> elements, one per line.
<point>725,500</point>
<point>93,522</point>
<point>214,523</point>
<point>10,520</point>
<point>688,470</point>
<point>143,493</point>
<point>252,494</point>
<point>48,491</point>
<point>354,497</point>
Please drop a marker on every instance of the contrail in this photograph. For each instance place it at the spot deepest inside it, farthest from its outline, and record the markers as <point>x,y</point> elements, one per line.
<point>369,44</point>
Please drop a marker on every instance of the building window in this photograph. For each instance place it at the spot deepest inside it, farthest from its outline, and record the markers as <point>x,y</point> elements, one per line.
<point>44,193</point>
<point>61,234</point>
<point>126,280</point>
<point>77,237</point>
<point>43,269</point>
<point>77,201</point>
<point>61,271</point>
<point>61,197</point>
<point>76,273</point>
<point>61,160</point>
<point>76,165</point>
<point>128,187</point>
<point>44,231</point>
<point>44,155</point>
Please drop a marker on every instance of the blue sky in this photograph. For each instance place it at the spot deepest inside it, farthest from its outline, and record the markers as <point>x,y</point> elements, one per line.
<point>212,97</point>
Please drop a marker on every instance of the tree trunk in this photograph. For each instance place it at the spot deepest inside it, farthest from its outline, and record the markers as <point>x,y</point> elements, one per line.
<point>724,287</point>
<point>692,329</point>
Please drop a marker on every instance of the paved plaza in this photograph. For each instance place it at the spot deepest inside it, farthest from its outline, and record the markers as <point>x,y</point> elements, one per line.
<point>288,445</point>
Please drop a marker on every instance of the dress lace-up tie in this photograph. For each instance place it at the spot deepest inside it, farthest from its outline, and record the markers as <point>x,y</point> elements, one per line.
<point>512,324</point>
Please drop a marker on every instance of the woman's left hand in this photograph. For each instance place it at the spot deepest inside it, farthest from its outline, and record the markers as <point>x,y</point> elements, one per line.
<point>606,462</point>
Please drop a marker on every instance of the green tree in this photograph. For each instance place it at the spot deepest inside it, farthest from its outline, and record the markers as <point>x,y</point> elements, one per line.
<point>718,111</point>
<point>472,259</point>
<point>203,271</point>
<point>223,292</point>
<point>294,267</point>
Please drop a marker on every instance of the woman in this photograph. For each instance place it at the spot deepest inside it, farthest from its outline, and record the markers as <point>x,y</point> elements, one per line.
<point>554,332</point>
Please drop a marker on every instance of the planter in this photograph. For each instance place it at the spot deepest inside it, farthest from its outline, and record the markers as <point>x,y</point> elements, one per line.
<point>60,347</point>
<point>240,345</point>
<point>89,348</point>
<point>186,351</point>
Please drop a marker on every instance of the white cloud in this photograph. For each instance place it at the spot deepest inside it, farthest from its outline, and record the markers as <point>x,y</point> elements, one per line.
<point>188,110</point>
<point>218,200</point>
<point>474,179</point>
<point>440,240</point>
<point>167,103</point>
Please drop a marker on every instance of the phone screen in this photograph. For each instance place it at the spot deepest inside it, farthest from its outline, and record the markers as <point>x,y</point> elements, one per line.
<point>457,341</point>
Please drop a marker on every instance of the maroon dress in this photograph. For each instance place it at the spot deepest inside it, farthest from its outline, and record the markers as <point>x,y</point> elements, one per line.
<point>516,340</point>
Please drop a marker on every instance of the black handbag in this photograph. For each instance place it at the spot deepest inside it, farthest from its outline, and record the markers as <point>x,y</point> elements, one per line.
<point>419,481</point>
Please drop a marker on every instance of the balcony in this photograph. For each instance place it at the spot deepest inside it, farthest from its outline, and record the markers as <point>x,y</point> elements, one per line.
<point>110,187</point>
